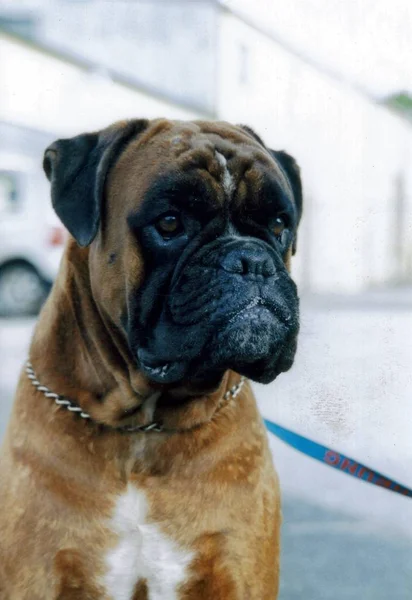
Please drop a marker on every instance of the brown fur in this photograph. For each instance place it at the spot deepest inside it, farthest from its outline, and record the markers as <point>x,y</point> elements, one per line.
<point>212,482</point>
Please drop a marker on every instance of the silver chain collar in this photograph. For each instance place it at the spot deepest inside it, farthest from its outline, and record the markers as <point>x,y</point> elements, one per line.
<point>74,408</point>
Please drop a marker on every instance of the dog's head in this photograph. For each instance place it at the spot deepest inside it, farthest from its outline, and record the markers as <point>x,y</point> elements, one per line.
<point>191,227</point>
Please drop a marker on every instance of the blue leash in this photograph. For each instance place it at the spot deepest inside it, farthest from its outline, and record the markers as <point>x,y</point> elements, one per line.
<point>335,459</point>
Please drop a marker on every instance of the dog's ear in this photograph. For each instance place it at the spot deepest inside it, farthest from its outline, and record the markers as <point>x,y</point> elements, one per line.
<point>77,169</point>
<point>292,172</point>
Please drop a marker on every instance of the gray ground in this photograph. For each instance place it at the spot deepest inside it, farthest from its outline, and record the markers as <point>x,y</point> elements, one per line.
<point>351,388</point>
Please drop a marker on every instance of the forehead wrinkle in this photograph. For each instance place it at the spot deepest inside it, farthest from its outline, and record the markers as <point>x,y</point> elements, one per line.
<point>256,185</point>
<point>229,135</point>
<point>210,163</point>
<point>214,185</point>
<point>227,179</point>
<point>157,127</point>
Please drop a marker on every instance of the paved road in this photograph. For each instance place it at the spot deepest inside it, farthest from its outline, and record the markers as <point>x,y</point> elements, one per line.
<point>351,388</point>
<point>329,556</point>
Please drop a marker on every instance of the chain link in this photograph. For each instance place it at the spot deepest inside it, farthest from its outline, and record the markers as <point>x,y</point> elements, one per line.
<point>74,408</point>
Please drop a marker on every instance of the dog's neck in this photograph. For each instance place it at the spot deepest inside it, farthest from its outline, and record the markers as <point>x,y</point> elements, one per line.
<point>79,353</point>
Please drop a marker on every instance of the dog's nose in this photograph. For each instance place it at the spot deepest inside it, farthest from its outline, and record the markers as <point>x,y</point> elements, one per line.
<point>250,260</point>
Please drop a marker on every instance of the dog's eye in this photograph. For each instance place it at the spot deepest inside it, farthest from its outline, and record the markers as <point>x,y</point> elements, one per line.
<point>169,225</point>
<point>279,226</point>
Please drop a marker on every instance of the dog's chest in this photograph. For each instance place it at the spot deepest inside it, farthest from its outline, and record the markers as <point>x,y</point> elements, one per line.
<point>142,552</point>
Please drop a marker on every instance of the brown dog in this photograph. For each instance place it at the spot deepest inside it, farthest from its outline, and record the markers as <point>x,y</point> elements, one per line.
<point>136,465</point>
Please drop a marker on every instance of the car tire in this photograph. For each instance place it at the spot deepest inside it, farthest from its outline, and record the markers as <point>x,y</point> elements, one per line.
<point>22,290</point>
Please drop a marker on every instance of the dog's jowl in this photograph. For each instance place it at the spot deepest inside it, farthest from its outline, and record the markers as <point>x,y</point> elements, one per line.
<point>136,465</point>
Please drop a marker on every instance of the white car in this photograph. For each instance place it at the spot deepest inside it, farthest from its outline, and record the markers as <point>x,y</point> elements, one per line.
<point>31,237</point>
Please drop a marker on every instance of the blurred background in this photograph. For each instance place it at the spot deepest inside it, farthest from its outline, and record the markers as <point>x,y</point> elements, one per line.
<point>330,82</point>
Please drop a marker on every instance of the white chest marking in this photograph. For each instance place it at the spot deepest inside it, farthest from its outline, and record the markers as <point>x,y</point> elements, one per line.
<point>227,179</point>
<point>143,552</point>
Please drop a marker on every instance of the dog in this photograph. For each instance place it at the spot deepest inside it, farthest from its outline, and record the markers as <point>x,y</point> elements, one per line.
<point>136,464</point>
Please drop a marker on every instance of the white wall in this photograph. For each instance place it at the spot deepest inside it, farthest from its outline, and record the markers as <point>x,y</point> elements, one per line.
<point>350,150</point>
<point>60,99</point>
<point>41,91</point>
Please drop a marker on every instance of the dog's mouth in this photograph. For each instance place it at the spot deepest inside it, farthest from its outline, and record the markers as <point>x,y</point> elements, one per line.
<point>247,335</point>
<point>256,302</point>
<point>255,306</point>
<point>161,371</point>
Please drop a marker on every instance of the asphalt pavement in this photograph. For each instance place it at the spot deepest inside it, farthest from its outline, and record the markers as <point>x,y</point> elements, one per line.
<point>351,389</point>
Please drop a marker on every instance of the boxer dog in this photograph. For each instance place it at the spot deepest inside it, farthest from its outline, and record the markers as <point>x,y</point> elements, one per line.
<point>136,464</point>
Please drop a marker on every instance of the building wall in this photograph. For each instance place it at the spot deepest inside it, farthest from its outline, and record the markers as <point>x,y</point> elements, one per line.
<point>356,160</point>
<point>167,45</point>
<point>48,93</point>
<point>356,157</point>
<point>43,97</point>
